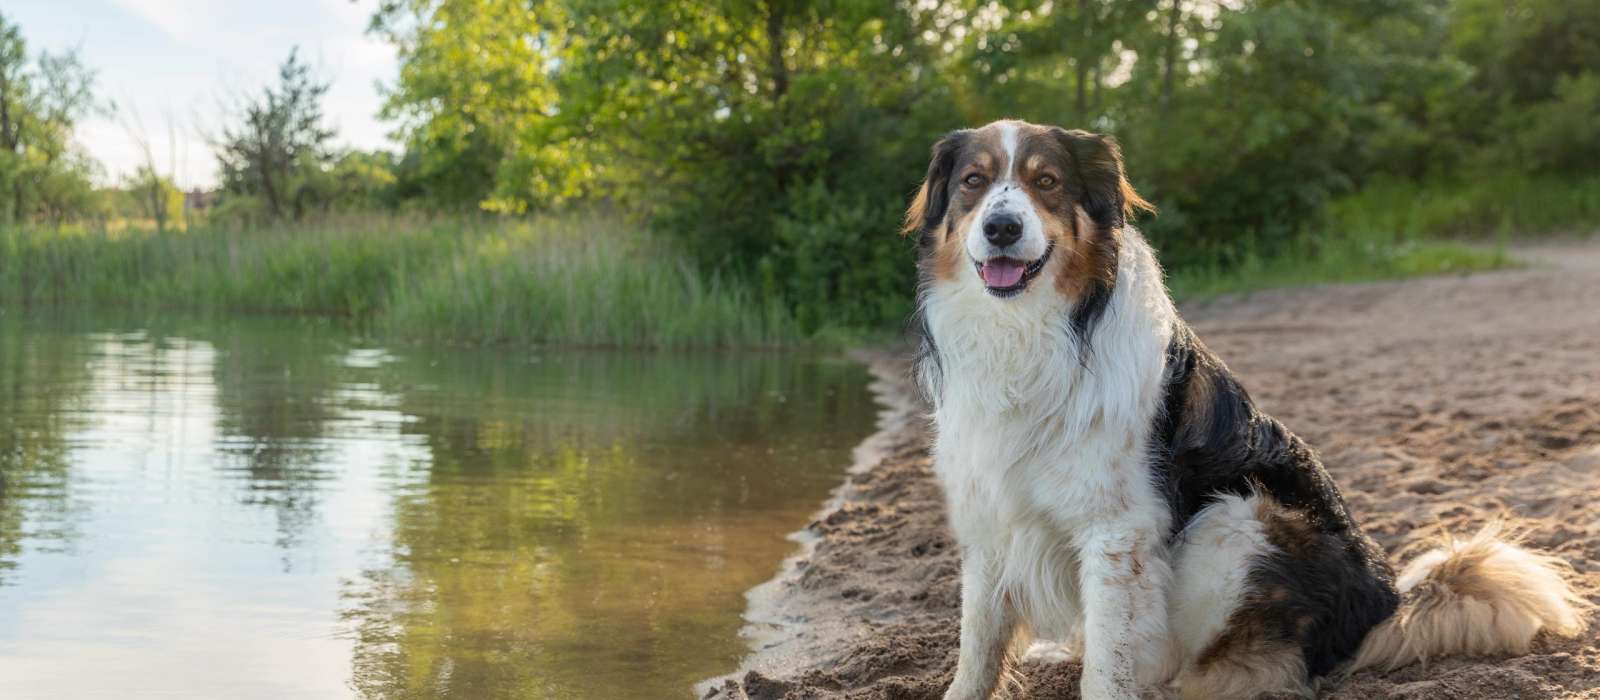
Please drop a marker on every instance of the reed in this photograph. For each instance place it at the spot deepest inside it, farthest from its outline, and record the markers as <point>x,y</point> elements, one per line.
<point>586,281</point>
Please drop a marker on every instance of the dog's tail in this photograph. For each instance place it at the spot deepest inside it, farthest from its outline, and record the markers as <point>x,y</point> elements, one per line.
<point>1482,595</point>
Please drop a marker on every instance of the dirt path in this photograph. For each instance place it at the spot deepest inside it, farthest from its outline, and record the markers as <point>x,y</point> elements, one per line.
<point>1438,401</point>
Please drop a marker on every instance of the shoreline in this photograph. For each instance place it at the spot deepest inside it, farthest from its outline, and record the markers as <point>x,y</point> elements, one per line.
<point>789,623</point>
<point>1445,401</point>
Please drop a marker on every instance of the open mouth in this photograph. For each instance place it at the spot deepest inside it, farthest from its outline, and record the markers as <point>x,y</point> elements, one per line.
<point>1005,277</point>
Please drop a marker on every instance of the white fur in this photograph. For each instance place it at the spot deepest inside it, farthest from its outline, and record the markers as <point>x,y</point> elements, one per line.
<point>1212,564</point>
<point>1043,453</point>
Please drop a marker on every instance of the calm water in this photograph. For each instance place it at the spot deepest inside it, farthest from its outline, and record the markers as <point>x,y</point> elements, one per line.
<point>272,509</point>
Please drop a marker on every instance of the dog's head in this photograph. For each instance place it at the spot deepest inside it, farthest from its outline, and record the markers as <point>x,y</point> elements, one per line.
<point>1011,203</point>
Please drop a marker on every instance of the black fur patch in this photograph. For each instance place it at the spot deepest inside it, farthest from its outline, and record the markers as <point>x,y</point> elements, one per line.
<point>940,167</point>
<point>1321,590</point>
<point>1098,179</point>
<point>926,361</point>
<point>1086,315</point>
<point>1329,583</point>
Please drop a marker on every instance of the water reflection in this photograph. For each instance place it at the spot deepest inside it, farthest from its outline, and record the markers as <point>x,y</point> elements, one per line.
<point>34,499</point>
<point>274,408</point>
<point>585,524</point>
<point>392,523</point>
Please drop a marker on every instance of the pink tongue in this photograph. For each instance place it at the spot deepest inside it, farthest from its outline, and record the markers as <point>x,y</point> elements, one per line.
<point>1001,273</point>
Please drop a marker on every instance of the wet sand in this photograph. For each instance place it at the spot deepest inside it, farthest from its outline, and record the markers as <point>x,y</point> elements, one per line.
<point>1442,402</point>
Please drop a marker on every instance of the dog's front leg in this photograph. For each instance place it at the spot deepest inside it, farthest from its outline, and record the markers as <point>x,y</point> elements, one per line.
<point>988,621</point>
<point>1124,576</point>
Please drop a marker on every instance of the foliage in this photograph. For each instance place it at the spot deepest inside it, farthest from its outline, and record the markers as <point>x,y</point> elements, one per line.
<point>42,177</point>
<point>156,198</point>
<point>473,101</point>
<point>1562,134</point>
<point>279,151</point>
<point>768,145</point>
<point>575,281</point>
<point>774,140</point>
<point>1497,206</point>
<point>363,181</point>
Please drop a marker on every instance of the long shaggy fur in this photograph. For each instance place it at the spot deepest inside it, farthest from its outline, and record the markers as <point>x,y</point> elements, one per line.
<point>1274,668</point>
<point>1110,480</point>
<point>1482,595</point>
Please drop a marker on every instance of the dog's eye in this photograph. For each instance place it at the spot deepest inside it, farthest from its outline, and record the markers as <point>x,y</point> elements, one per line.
<point>1045,182</point>
<point>973,180</point>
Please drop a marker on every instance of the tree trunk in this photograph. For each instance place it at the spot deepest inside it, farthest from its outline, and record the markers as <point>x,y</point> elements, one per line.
<point>1169,58</point>
<point>1096,90</point>
<point>775,42</point>
<point>158,207</point>
<point>1083,53</point>
<point>10,136</point>
<point>780,78</point>
<point>274,206</point>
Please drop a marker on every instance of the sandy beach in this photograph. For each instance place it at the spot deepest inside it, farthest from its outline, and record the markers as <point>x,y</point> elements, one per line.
<point>1441,402</point>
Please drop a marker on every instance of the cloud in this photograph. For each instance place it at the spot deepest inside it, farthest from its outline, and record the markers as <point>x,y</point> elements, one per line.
<point>178,19</point>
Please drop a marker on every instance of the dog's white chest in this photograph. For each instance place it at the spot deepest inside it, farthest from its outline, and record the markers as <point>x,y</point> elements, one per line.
<point>1040,448</point>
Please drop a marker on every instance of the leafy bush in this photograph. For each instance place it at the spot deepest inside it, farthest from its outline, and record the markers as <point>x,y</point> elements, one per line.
<point>838,257</point>
<point>1562,134</point>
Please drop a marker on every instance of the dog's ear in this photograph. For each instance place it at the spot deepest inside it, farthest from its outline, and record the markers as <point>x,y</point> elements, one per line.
<point>1099,181</point>
<point>933,199</point>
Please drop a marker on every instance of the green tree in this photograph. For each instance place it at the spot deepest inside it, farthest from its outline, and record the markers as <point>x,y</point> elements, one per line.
<point>776,139</point>
<point>474,101</point>
<point>364,180</point>
<point>41,99</point>
<point>156,197</point>
<point>278,152</point>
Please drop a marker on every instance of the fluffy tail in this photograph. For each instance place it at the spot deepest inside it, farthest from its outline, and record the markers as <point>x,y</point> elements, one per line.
<point>1482,595</point>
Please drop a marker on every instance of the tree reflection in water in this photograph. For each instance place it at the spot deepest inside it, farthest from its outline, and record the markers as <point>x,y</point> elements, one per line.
<point>586,527</point>
<point>202,503</point>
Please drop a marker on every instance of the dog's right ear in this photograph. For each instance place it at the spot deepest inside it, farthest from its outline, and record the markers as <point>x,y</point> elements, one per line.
<point>933,199</point>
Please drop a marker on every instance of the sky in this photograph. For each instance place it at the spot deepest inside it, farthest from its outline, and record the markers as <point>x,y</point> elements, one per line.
<point>180,63</point>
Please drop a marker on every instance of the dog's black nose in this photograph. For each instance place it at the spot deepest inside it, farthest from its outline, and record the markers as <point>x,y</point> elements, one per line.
<point>1002,229</point>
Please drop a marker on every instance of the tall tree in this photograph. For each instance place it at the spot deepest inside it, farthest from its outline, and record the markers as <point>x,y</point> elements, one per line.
<point>474,101</point>
<point>279,147</point>
<point>41,100</point>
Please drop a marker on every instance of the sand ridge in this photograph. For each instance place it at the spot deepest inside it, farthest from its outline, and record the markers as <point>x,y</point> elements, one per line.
<point>1441,402</point>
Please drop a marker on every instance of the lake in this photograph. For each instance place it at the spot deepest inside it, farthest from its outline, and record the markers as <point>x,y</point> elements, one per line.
<point>274,508</point>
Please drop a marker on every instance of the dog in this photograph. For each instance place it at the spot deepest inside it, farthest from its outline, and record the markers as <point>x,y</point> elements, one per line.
<point>1112,485</point>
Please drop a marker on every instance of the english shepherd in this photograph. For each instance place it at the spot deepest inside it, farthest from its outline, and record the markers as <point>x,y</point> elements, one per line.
<point>1112,486</point>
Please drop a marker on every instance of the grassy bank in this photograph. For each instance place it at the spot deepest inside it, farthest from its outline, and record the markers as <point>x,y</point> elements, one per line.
<point>1398,229</point>
<point>584,281</point>
<point>1327,259</point>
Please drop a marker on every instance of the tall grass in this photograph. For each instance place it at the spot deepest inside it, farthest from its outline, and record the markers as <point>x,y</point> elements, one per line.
<point>1396,228</point>
<point>1503,205</point>
<point>1330,259</point>
<point>579,281</point>
<point>573,281</point>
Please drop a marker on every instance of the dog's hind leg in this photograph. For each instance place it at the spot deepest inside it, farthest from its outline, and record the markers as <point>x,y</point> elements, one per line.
<point>1222,656</point>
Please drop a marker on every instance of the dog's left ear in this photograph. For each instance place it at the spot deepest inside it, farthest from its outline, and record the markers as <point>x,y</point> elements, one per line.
<point>1099,181</point>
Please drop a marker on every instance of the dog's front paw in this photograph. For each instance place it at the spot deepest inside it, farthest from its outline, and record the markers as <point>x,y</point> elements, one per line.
<point>974,687</point>
<point>1101,686</point>
<point>1047,652</point>
<point>965,691</point>
<point>1103,690</point>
